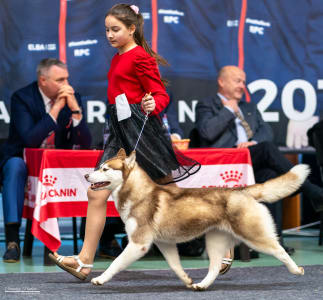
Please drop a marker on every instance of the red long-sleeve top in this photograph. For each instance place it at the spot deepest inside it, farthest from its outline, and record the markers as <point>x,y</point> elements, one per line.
<point>135,73</point>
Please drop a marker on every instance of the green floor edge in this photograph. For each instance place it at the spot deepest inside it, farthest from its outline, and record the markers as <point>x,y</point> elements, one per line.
<point>307,252</point>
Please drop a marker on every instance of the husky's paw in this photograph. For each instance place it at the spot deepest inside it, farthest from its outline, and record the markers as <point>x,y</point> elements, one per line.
<point>301,271</point>
<point>98,280</point>
<point>197,287</point>
<point>189,283</point>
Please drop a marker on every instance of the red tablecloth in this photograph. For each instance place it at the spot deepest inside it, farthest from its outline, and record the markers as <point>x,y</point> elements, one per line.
<point>57,187</point>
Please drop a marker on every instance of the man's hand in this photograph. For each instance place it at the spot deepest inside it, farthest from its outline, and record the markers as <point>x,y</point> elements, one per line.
<point>246,144</point>
<point>297,132</point>
<point>233,104</point>
<point>65,96</point>
<point>67,92</point>
<point>57,107</point>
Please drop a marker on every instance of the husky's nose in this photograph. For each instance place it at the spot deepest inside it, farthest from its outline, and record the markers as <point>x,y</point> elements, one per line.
<point>86,176</point>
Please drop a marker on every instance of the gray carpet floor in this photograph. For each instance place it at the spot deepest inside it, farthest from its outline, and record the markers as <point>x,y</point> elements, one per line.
<point>239,283</point>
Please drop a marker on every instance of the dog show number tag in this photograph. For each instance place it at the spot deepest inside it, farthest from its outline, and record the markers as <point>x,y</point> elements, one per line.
<point>123,107</point>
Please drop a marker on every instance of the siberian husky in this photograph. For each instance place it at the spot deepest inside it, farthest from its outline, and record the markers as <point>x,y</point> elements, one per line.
<point>166,215</point>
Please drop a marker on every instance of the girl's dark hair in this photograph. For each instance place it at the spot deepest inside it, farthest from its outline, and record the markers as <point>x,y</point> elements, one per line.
<point>125,14</point>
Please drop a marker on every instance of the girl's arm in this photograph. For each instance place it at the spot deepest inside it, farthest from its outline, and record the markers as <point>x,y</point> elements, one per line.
<point>149,77</point>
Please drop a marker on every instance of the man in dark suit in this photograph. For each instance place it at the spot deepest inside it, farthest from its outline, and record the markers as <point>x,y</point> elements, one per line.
<point>48,114</point>
<point>220,121</point>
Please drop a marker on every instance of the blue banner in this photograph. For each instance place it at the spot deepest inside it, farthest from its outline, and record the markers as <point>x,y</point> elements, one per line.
<point>277,43</point>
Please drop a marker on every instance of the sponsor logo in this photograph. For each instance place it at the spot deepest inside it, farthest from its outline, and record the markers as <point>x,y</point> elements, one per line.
<point>171,16</point>
<point>49,182</point>
<point>232,23</point>
<point>41,47</point>
<point>171,19</point>
<point>82,43</point>
<point>256,30</point>
<point>256,26</point>
<point>82,52</point>
<point>174,12</point>
<point>231,176</point>
<point>230,179</point>
<point>146,15</point>
<point>258,22</point>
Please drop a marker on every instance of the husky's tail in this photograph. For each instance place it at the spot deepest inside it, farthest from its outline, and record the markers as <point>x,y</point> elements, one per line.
<point>280,187</point>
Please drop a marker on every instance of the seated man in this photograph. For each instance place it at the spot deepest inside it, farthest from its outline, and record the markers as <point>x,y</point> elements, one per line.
<point>224,121</point>
<point>46,113</point>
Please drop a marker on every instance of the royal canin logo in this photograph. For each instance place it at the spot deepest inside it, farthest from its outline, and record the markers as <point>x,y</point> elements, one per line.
<point>49,181</point>
<point>231,175</point>
<point>231,178</point>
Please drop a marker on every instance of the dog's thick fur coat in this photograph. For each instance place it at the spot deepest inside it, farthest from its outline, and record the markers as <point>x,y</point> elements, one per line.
<point>166,215</point>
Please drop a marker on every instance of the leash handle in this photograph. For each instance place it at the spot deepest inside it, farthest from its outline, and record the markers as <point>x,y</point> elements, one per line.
<point>142,129</point>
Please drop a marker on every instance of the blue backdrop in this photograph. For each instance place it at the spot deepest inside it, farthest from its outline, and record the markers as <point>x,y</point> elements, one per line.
<point>278,44</point>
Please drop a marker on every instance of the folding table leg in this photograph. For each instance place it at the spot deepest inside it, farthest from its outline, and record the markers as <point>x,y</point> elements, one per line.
<point>47,260</point>
<point>321,229</point>
<point>75,236</point>
<point>28,240</point>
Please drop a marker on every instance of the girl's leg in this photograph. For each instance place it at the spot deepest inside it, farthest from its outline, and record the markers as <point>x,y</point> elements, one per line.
<point>95,220</point>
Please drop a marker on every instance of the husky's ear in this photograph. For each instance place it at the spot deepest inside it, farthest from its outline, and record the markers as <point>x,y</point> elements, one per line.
<point>131,159</point>
<point>122,153</point>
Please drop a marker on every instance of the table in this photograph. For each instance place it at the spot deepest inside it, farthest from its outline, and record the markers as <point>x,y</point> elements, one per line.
<point>56,185</point>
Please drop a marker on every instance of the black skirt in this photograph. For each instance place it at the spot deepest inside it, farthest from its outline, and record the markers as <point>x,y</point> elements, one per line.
<point>154,151</point>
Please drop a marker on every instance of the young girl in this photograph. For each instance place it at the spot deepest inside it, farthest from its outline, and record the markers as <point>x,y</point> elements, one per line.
<point>135,90</point>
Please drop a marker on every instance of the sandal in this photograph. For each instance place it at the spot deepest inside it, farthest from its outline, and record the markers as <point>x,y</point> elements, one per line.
<point>58,260</point>
<point>227,262</point>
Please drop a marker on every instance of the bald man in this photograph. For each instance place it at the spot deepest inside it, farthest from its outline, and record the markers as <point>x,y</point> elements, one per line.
<point>216,118</point>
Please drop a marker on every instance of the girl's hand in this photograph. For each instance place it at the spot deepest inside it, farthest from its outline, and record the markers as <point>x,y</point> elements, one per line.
<point>148,103</point>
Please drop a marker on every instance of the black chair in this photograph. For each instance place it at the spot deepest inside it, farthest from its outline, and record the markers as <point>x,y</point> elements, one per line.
<point>315,138</point>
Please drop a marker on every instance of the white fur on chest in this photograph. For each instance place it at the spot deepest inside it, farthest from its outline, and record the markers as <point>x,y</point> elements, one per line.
<point>123,211</point>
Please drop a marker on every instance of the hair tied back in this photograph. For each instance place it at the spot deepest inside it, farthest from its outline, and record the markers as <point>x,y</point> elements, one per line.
<point>135,9</point>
